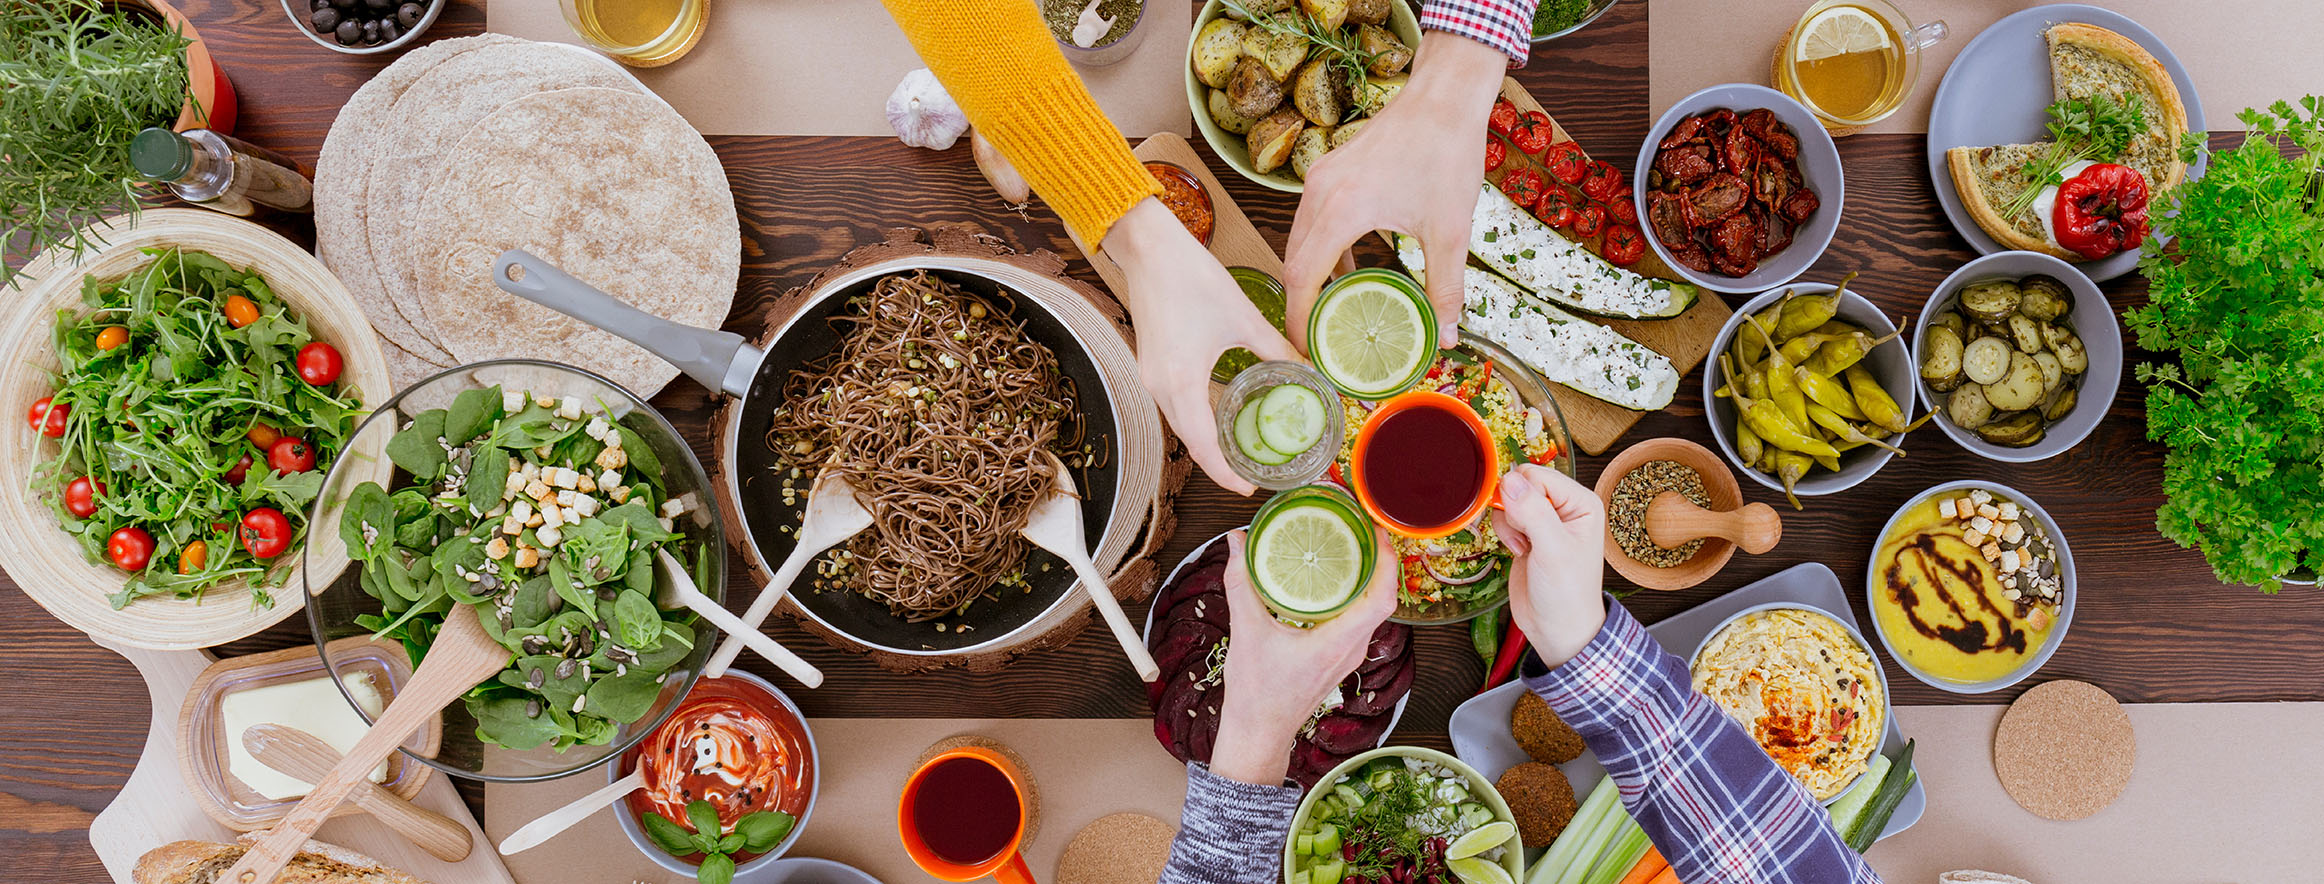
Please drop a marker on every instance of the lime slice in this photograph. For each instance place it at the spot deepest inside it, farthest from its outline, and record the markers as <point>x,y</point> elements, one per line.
<point>1472,870</point>
<point>1370,337</point>
<point>1307,559</point>
<point>1840,30</point>
<point>1481,839</point>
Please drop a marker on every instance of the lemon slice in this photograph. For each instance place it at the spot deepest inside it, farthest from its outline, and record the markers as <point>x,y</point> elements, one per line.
<point>1307,559</point>
<point>1840,30</point>
<point>1472,870</point>
<point>1371,338</point>
<point>1483,838</point>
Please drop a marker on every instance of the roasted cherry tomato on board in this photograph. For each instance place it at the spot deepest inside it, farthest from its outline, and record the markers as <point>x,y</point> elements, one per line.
<point>1588,221</point>
<point>1523,187</point>
<point>1533,133</point>
<point>240,311</point>
<point>81,496</point>
<point>47,420</point>
<point>1503,119</point>
<point>1556,208</point>
<point>2102,211</point>
<point>113,336</point>
<point>1624,245</point>
<point>266,532</point>
<point>291,454</point>
<point>1567,162</point>
<point>1622,211</point>
<point>1603,182</point>
<point>1496,153</point>
<point>319,364</point>
<point>193,557</point>
<point>236,473</point>
<point>129,548</point>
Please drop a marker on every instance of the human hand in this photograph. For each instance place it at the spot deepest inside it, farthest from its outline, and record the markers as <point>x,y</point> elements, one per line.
<point>1557,528</point>
<point>1277,674</point>
<point>1187,310</point>
<point>1414,168</point>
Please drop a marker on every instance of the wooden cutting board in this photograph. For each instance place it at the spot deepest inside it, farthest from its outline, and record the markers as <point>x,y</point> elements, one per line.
<point>154,807</point>
<point>1232,237</point>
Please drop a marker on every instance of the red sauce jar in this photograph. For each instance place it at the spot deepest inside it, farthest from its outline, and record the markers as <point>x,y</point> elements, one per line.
<point>1187,199</point>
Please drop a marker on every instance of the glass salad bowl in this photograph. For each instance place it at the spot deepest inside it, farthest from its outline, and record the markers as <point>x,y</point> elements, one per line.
<point>339,605</point>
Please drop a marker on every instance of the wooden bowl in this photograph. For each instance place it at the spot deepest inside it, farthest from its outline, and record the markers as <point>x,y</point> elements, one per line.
<point>34,550</point>
<point>1718,484</point>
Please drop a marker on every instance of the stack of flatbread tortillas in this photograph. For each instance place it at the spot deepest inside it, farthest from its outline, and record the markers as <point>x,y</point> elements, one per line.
<point>467,147</point>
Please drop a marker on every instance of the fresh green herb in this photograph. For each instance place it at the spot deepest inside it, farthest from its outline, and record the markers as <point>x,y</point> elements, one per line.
<point>162,417</point>
<point>78,79</point>
<point>2240,296</point>
<point>1553,16</point>
<point>2098,127</point>
<point>756,832</point>
<point>1338,46</point>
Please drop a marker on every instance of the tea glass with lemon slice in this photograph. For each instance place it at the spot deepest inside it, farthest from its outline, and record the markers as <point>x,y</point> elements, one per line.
<point>1853,62</point>
<point>638,33</point>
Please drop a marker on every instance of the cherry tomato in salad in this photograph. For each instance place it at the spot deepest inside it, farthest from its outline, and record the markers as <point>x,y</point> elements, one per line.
<point>319,364</point>
<point>1503,119</point>
<point>113,336</point>
<point>1523,187</point>
<point>240,311</point>
<point>81,496</point>
<point>47,417</point>
<point>1622,210</point>
<point>1496,153</point>
<point>1566,161</point>
<point>193,557</point>
<point>1588,221</point>
<point>291,454</point>
<point>1533,132</point>
<point>241,469</point>
<point>266,532</point>
<point>262,436</point>
<point>1624,245</point>
<point>1602,182</point>
<point>129,548</point>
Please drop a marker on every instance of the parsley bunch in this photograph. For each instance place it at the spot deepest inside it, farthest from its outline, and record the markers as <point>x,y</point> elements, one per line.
<point>2097,127</point>
<point>2240,296</point>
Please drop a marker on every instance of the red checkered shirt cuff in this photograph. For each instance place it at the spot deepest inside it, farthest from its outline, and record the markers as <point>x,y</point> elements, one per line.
<point>1506,25</point>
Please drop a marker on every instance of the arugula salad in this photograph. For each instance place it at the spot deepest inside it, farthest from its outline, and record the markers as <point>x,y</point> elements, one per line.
<point>193,415</point>
<point>546,514</point>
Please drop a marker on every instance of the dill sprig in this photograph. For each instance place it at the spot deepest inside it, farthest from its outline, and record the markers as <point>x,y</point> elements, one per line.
<point>78,79</point>
<point>2098,127</point>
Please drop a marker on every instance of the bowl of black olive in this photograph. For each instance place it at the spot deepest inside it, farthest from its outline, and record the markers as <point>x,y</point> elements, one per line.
<point>362,27</point>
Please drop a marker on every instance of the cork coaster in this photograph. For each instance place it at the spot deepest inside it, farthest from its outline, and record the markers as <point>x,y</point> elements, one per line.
<point>1032,786</point>
<point>1120,848</point>
<point>2064,750</point>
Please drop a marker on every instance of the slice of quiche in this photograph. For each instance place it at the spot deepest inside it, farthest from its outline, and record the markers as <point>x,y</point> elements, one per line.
<point>2085,60</point>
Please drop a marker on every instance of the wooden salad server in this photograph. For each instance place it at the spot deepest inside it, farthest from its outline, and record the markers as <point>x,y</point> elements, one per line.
<point>834,514</point>
<point>307,757</point>
<point>679,590</point>
<point>1672,520</point>
<point>1055,525</point>
<point>547,825</point>
<point>461,656</point>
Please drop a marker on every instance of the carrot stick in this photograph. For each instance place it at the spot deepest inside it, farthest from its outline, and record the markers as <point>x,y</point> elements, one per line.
<point>1648,866</point>
<point>1669,876</point>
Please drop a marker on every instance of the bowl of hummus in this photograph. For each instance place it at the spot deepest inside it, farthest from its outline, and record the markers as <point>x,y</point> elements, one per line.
<point>1804,684</point>
<point>1971,587</point>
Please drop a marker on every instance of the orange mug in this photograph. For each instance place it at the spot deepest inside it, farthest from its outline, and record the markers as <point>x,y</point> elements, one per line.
<point>1487,493</point>
<point>963,815</point>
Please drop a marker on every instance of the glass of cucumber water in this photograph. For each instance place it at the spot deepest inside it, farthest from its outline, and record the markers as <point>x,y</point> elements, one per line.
<point>1280,424</point>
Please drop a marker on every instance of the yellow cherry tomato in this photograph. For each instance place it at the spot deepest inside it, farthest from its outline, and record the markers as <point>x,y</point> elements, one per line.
<point>113,336</point>
<point>193,557</point>
<point>240,311</point>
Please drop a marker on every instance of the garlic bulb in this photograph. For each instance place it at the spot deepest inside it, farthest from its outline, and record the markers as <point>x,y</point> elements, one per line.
<point>923,114</point>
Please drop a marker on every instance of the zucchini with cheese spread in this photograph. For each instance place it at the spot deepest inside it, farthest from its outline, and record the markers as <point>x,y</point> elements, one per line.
<point>1520,248</point>
<point>1590,358</point>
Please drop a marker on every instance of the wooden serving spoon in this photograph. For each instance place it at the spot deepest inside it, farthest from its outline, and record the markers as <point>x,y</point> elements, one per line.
<point>307,757</point>
<point>833,514</point>
<point>679,590</point>
<point>547,825</point>
<point>1672,520</point>
<point>1055,525</point>
<point>461,656</point>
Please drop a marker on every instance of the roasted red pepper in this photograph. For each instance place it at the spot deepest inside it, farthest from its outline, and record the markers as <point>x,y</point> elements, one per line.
<point>2101,211</point>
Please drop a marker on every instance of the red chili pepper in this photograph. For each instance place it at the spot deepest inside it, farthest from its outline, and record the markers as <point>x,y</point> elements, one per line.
<point>1496,153</point>
<point>1512,649</point>
<point>2101,211</point>
<point>1567,162</point>
<point>1533,132</point>
<point>1523,187</point>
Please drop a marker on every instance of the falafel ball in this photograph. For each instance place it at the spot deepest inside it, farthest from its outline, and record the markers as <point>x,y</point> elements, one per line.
<point>1541,733</point>
<point>1540,799</point>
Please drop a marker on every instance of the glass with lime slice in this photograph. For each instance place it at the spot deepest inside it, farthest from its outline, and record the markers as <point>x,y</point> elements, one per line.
<point>1372,332</point>
<point>1310,553</point>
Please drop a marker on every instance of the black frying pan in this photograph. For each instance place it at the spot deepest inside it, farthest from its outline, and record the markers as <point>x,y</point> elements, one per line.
<point>724,362</point>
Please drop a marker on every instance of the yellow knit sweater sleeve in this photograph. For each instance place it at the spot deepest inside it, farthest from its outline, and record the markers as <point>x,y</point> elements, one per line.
<point>998,60</point>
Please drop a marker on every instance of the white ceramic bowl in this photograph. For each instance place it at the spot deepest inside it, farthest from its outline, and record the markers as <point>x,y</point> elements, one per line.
<point>1887,698</point>
<point>300,10</point>
<point>2092,319</point>
<point>1233,148</point>
<point>2066,585</point>
<point>1819,166</point>
<point>1889,362</point>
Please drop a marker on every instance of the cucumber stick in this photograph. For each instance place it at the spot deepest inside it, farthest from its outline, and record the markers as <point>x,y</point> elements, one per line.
<point>1851,805</point>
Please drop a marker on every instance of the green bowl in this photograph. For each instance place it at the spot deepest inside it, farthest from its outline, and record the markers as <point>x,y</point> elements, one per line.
<point>1232,147</point>
<point>1512,859</point>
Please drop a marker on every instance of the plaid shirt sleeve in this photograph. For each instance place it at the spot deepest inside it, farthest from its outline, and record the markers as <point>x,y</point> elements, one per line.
<point>1714,804</point>
<point>1506,25</point>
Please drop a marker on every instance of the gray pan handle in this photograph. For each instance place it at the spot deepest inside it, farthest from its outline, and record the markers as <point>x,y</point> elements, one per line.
<point>716,359</point>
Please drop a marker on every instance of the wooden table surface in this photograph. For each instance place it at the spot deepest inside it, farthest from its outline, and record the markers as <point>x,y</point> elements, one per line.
<point>2153,625</point>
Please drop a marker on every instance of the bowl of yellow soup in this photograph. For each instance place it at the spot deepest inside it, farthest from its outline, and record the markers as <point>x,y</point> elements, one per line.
<point>1972,587</point>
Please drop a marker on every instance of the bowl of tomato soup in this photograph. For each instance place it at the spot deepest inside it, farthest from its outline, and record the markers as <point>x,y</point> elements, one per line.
<point>735,742</point>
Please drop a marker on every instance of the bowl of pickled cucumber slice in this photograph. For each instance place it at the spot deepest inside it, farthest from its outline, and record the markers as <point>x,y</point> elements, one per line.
<point>1826,390</point>
<point>2019,355</point>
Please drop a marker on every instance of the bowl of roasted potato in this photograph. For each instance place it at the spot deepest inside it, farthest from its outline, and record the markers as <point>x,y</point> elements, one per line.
<point>1275,84</point>
<point>2019,354</point>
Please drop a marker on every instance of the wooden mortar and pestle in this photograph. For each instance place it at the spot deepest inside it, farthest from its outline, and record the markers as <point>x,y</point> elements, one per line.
<point>1672,520</point>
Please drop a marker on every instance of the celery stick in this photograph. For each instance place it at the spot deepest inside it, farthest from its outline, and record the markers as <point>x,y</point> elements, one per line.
<point>1627,847</point>
<point>1551,868</point>
<point>1600,836</point>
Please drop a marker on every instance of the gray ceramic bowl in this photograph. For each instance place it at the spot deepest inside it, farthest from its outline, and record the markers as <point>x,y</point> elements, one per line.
<point>2066,583</point>
<point>1887,698</point>
<point>299,10</point>
<point>2092,319</point>
<point>1889,362</point>
<point>744,871</point>
<point>1233,148</point>
<point>1819,164</point>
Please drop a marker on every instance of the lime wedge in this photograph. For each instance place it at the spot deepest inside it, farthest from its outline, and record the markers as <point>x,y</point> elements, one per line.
<point>1307,559</point>
<point>1480,839</point>
<point>1472,870</point>
<point>1840,30</point>
<point>1370,338</point>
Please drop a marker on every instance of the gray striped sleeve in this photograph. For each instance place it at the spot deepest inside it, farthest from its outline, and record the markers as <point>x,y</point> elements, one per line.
<point>1231,832</point>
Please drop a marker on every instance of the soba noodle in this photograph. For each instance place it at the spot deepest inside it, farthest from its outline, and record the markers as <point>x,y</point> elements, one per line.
<point>936,406</point>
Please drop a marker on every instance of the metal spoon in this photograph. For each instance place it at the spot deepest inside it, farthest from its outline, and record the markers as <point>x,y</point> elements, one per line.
<point>833,515</point>
<point>1055,525</point>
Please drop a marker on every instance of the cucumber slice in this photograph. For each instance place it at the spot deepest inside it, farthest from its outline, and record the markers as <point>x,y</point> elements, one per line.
<point>1290,418</point>
<point>1247,437</point>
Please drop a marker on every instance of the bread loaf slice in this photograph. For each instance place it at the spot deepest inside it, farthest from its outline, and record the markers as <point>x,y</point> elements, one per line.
<point>201,862</point>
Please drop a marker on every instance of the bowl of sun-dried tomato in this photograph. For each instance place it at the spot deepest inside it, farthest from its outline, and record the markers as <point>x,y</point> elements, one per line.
<point>1738,188</point>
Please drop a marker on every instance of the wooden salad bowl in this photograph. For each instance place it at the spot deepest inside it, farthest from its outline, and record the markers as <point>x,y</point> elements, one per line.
<point>34,549</point>
<point>1757,526</point>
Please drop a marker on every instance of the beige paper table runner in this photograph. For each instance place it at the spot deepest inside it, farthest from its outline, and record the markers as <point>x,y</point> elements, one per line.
<point>2241,53</point>
<point>825,67</point>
